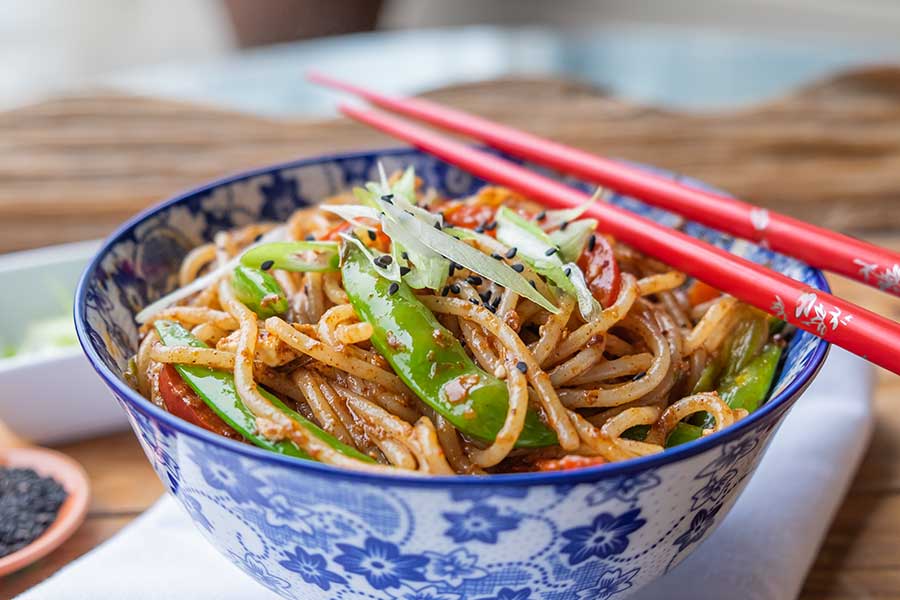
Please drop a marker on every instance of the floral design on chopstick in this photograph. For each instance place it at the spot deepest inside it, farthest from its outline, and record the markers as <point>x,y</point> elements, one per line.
<point>759,218</point>
<point>816,315</point>
<point>888,279</point>
<point>812,313</point>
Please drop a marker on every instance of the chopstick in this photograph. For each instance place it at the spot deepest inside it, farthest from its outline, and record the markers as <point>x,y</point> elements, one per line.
<point>819,247</point>
<point>860,331</point>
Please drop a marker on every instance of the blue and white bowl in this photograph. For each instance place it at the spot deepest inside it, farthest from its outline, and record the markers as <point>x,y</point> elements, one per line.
<point>310,531</point>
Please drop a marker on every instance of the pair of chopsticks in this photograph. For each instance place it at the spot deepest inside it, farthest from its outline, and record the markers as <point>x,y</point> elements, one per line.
<point>833,319</point>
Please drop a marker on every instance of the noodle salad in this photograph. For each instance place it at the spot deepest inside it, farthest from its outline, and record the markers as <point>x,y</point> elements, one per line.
<point>390,329</point>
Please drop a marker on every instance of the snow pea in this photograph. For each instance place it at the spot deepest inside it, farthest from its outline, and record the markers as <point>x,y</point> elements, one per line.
<point>293,256</point>
<point>429,359</point>
<point>749,387</point>
<point>217,390</point>
<point>259,291</point>
<point>682,434</point>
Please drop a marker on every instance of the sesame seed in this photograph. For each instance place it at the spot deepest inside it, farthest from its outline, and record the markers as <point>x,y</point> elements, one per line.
<point>258,237</point>
<point>485,296</point>
<point>563,225</point>
<point>533,284</point>
<point>541,215</point>
<point>474,279</point>
<point>445,291</point>
<point>592,242</point>
<point>551,251</point>
<point>479,229</point>
<point>389,198</point>
<point>372,235</point>
<point>491,226</point>
<point>404,271</point>
<point>309,237</point>
<point>393,288</point>
<point>518,267</point>
<point>384,261</point>
<point>405,255</point>
<point>437,226</point>
<point>474,301</point>
<point>522,367</point>
<point>454,288</point>
<point>496,302</point>
<point>568,271</point>
<point>496,256</point>
<point>511,253</point>
<point>267,264</point>
<point>452,268</point>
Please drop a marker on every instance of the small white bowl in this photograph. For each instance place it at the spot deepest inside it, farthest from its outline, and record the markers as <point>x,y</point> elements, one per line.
<point>52,397</point>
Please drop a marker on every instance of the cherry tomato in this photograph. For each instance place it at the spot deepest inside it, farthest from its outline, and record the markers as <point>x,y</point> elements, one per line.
<point>183,402</point>
<point>601,271</point>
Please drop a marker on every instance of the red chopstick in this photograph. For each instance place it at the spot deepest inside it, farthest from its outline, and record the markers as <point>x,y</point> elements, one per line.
<point>860,331</point>
<point>829,250</point>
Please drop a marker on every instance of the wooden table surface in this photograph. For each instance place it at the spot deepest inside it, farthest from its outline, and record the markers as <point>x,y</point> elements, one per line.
<point>73,168</point>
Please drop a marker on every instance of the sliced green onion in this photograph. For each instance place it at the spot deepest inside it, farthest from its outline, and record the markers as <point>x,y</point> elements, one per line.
<point>554,218</point>
<point>572,240</point>
<point>431,269</point>
<point>538,250</point>
<point>587,304</point>
<point>391,272</point>
<point>460,252</point>
<point>294,256</point>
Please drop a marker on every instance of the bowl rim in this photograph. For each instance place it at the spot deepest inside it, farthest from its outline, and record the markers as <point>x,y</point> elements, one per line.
<point>769,410</point>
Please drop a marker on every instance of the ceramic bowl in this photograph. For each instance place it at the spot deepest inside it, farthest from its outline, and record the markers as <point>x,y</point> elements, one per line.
<point>309,531</point>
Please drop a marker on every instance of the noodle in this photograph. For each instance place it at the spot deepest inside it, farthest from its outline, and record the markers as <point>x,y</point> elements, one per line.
<point>563,385</point>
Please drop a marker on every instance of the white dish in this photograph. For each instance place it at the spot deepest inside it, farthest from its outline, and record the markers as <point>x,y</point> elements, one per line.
<point>54,397</point>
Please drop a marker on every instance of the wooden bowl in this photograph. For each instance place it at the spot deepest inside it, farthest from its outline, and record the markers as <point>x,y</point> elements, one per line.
<point>72,477</point>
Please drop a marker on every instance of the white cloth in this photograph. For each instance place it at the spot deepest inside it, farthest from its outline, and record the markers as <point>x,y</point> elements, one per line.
<point>762,551</point>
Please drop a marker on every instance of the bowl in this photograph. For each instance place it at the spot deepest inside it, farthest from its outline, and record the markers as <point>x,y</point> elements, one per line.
<point>310,531</point>
<point>47,277</point>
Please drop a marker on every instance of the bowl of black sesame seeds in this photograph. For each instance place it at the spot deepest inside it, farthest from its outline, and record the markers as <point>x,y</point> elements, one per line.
<point>43,500</point>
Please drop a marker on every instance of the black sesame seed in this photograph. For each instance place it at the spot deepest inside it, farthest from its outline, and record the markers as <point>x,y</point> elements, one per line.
<point>445,291</point>
<point>309,237</point>
<point>592,242</point>
<point>389,198</point>
<point>518,267</point>
<point>485,296</point>
<point>267,264</point>
<point>568,271</point>
<point>437,226</point>
<point>491,226</point>
<point>522,367</point>
<point>551,251</point>
<point>563,225</point>
<point>511,253</point>
<point>405,255</point>
<point>496,256</point>
<point>479,229</point>
<point>541,215</point>
<point>496,302</point>
<point>404,271</point>
<point>372,235</point>
<point>452,268</point>
<point>393,288</point>
<point>474,280</point>
<point>384,261</point>
<point>258,237</point>
<point>533,284</point>
<point>454,288</point>
<point>474,301</point>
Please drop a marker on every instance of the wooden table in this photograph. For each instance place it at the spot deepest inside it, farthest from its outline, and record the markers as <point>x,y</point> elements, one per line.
<point>73,168</point>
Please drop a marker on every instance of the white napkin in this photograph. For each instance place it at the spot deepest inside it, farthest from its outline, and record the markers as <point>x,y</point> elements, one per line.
<point>762,550</point>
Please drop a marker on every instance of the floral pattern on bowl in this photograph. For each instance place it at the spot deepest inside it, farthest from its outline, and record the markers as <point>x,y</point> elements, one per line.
<point>309,531</point>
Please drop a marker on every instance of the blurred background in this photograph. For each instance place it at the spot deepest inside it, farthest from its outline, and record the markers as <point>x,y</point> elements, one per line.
<point>249,55</point>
